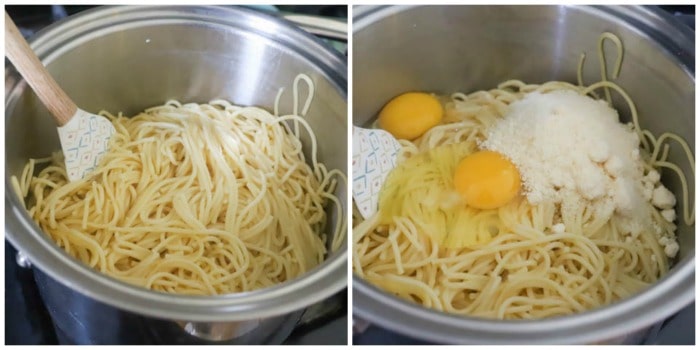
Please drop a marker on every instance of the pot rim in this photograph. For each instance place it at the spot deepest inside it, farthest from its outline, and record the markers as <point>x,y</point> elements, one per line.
<point>666,297</point>
<point>315,285</point>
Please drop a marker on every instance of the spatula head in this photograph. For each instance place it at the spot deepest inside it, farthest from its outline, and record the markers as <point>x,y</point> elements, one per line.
<point>84,140</point>
<point>374,154</point>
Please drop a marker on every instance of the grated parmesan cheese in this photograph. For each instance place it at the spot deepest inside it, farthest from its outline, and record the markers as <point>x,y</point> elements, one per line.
<point>572,149</point>
<point>563,140</point>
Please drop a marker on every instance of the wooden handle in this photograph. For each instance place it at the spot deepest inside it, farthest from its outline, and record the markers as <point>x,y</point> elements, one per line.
<point>28,65</point>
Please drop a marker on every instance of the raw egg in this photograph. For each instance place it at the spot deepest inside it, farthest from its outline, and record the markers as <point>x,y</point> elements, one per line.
<point>410,115</point>
<point>486,180</point>
<point>422,188</point>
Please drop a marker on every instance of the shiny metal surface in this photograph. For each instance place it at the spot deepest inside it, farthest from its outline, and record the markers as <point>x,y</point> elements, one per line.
<point>22,260</point>
<point>129,58</point>
<point>218,331</point>
<point>465,48</point>
<point>317,25</point>
<point>80,320</point>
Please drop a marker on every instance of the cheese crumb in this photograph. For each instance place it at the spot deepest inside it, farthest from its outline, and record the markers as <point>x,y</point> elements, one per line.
<point>599,153</point>
<point>614,166</point>
<point>559,228</point>
<point>648,191</point>
<point>671,249</point>
<point>635,153</point>
<point>572,150</point>
<point>662,198</point>
<point>653,176</point>
<point>669,214</point>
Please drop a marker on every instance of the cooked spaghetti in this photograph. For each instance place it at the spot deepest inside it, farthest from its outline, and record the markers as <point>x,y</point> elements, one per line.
<point>194,199</point>
<point>522,260</point>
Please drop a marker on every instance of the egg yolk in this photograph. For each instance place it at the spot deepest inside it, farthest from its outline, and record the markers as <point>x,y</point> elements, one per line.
<point>410,115</point>
<point>486,180</point>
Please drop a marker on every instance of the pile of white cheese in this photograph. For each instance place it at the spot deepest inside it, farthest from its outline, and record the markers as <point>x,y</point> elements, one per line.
<point>571,148</point>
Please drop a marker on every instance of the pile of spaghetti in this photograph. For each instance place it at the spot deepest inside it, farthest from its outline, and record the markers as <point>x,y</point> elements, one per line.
<point>193,199</point>
<point>533,257</point>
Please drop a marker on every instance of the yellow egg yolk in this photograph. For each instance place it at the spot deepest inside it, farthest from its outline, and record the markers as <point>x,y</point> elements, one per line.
<point>410,115</point>
<point>486,180</point>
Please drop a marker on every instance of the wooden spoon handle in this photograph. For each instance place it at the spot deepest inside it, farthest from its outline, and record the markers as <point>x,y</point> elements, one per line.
<point>28,65</point>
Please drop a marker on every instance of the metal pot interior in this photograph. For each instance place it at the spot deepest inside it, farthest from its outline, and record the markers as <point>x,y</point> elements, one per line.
<point>125,59</point>
<point>445,49</point>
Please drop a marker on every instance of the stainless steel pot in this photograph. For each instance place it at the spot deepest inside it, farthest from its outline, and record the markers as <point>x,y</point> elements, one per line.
<point>465,48</point>
<point>129,58</point>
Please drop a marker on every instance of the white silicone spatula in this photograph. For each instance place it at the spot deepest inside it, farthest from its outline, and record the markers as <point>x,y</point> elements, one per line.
<point>84,136</point>
<point>374,154</point>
